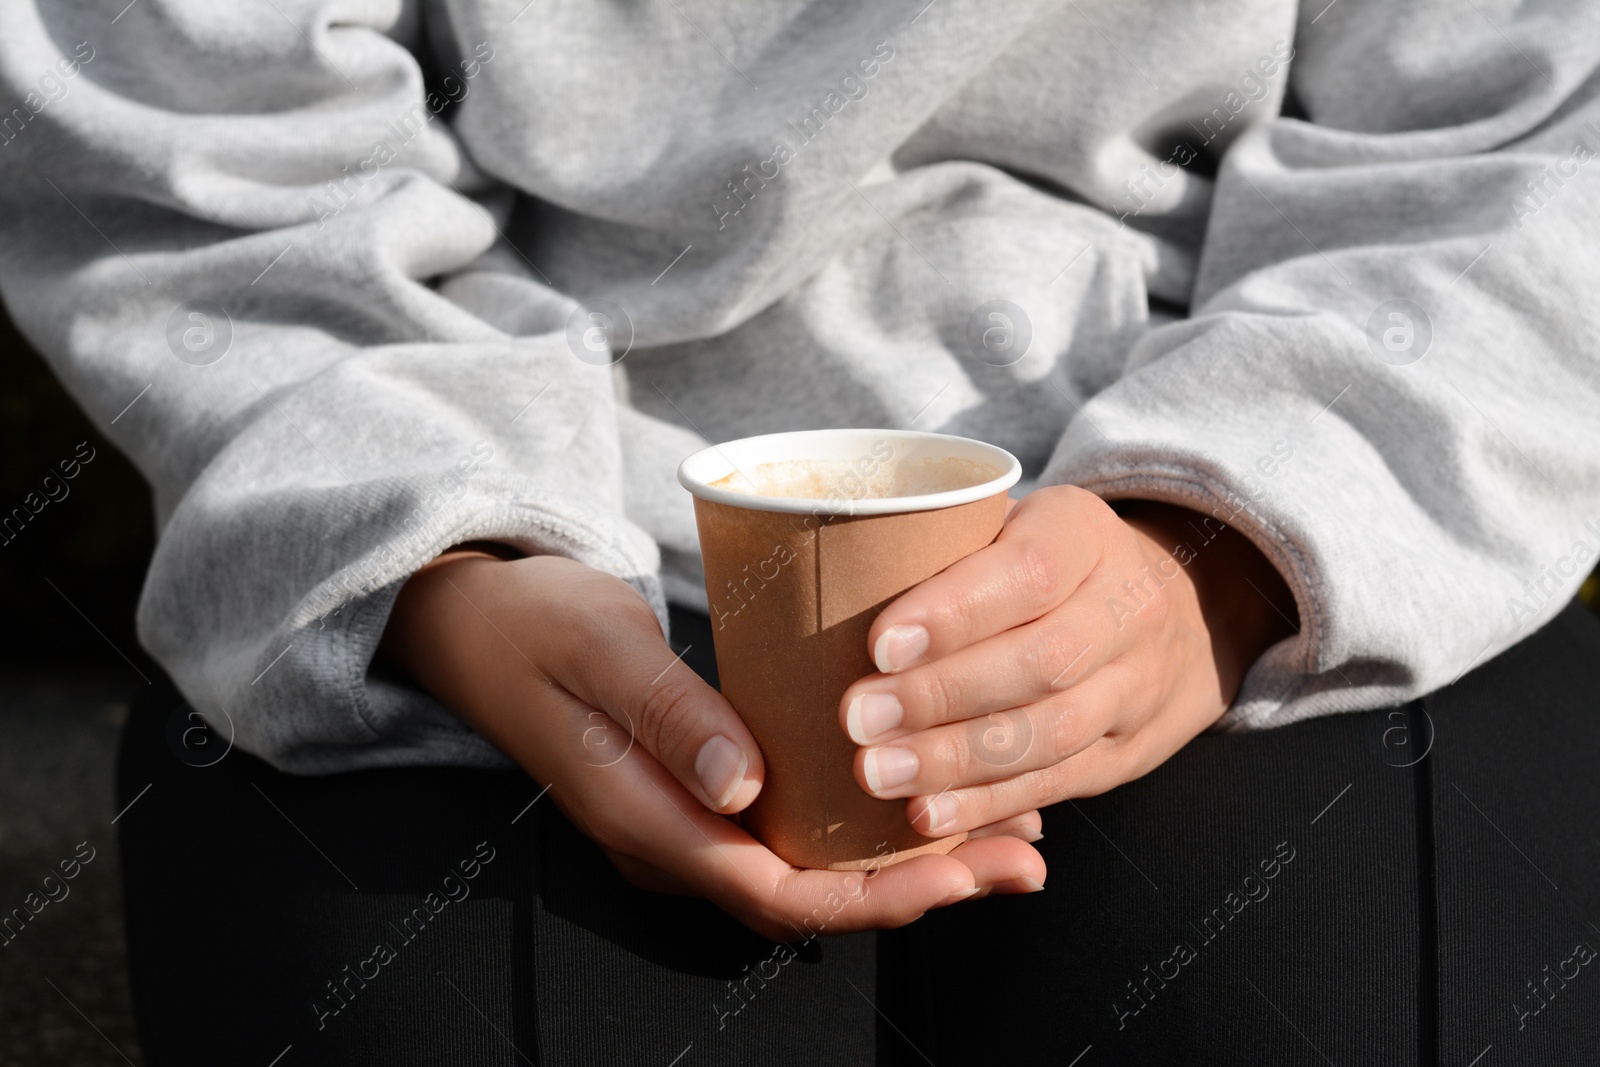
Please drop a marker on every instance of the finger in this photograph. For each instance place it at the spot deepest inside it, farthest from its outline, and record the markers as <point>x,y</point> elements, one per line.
<point>620,663</point>
<point>1002,744</point>
<point>740,875</point>
<point>1010,871</point>
<point>1015,668</point>
<point>634,807</point>
<point>1028,827</point>
<point>999,867</point>
<point>673,845</point>
<point>1002,864</point>
<point>1100,767</point>
<point>1047,547</point>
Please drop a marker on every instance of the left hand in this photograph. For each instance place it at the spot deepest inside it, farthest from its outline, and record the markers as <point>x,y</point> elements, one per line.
<point>1075,653</point>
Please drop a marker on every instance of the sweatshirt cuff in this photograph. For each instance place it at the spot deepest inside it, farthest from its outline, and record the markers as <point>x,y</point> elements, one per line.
<point>1303,486</point>
<point>323,710</point>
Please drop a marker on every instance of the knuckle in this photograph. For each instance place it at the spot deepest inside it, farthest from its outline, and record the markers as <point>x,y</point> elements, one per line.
<point>1076,778</point>
<point>626,608</point>
<point>589,634</point>
<point>1048,655</point>
<point>1065,734</point>
<point>1055,784</point>
<point>1157,605</point>
<point>952,615</point>
<point>1079,503</point>
<point>1001,740</point>
<point>667,723</point>
<point>941,694</point>
<point>1038,571</point>
<point>952,756</point>
<point>605,622</point>
<point>1090,506</point>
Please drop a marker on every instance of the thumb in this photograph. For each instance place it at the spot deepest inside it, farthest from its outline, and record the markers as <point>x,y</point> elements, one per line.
<point>670,711</point>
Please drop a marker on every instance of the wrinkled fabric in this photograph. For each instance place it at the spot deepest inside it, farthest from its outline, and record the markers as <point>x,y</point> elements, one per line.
<point>352,282</point>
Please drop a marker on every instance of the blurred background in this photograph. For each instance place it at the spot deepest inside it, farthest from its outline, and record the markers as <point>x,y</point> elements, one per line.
<point>69,665</point>
<point>71,579</point>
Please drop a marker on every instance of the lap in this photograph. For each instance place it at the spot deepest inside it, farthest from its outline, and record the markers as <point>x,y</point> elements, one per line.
<point>1310,893</point>
<point>1437,904</point>
<point>429,916</point>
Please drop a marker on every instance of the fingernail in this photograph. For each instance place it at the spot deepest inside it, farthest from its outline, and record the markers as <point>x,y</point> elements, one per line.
<point>1030,835</point>
<point>940,813</point>
<point>720,766</point>
<point>958,895</point>
<point>1032,886</point>
<point>889,767</point>
<point>899,647</point>
<point>872,715</point>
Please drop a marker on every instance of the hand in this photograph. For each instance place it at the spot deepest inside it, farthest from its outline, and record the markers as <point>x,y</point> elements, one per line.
<point>566,670</point>
<point>1075,653</point>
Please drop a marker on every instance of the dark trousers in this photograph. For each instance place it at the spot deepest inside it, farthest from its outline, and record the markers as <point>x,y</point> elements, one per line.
<point>1415,885</point>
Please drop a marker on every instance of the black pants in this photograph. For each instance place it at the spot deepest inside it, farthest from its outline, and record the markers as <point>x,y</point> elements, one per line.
<point>1407,886</point>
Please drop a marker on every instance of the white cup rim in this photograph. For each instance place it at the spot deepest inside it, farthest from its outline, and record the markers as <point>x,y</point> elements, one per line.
<point>699,471</point>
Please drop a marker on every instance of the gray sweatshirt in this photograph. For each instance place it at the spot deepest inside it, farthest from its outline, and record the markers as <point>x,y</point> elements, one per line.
<point>355,281</point>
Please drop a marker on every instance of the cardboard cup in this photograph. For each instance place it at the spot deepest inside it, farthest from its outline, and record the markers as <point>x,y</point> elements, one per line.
<point>794,584</point>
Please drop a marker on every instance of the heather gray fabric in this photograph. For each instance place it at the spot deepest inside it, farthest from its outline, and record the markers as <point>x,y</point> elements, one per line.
<point>334,316</point>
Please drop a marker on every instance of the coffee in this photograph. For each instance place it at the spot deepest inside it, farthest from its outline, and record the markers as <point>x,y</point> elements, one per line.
<point>828,479</point>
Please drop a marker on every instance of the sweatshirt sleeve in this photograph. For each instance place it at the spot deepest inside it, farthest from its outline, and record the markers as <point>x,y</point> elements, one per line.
<point>223,225</point>
<point>1389,377</point>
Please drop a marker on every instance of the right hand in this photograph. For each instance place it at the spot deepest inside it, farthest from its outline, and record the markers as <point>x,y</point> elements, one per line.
<point>565,669</point>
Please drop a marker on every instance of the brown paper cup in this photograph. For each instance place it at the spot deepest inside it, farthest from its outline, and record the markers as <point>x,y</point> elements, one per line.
<point>795,582</point>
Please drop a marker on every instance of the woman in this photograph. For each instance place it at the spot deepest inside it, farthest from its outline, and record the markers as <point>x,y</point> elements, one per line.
<point>408,311</point>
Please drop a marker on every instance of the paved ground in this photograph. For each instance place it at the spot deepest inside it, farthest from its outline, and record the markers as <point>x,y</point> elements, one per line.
<point>63,975</point>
